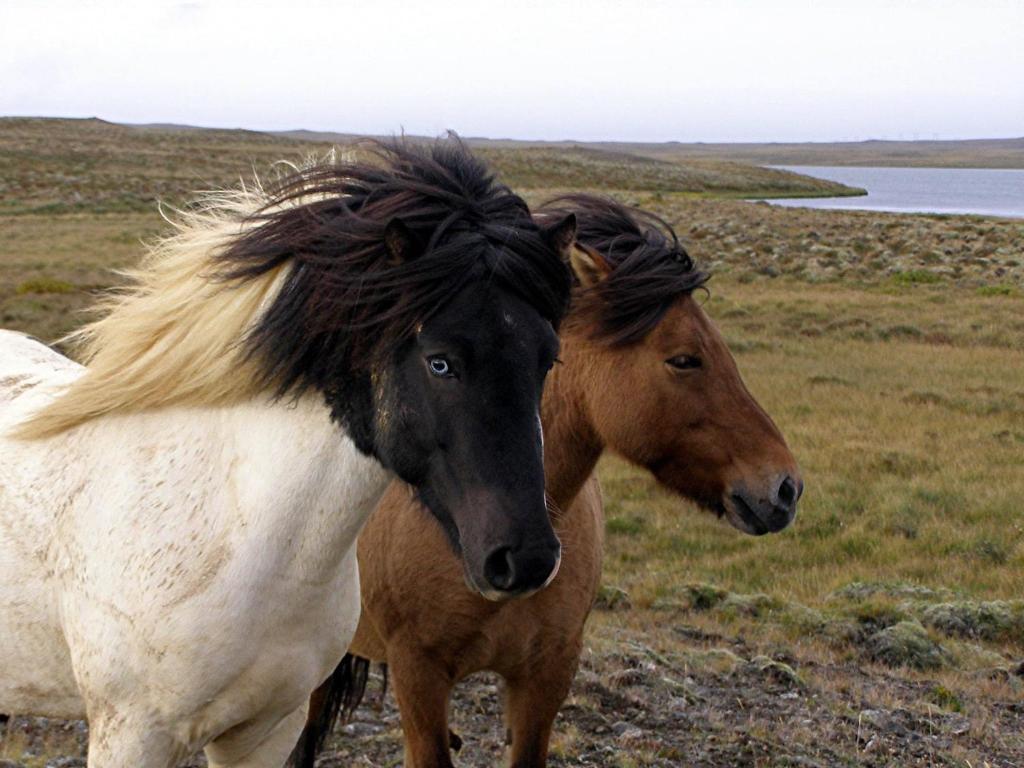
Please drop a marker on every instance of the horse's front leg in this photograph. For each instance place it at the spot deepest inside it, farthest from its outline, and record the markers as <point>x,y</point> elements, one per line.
<point>422,688</point>
<point>120,741</point>
<point>235,749</point>
<point>532,703</point>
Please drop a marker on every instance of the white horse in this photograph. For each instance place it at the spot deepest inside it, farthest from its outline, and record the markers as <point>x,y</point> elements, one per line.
<point>177,518</point>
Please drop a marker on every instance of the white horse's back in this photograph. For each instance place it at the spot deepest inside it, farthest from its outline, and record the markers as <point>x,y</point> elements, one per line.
<point>23,354</point>
<point>30,375</point>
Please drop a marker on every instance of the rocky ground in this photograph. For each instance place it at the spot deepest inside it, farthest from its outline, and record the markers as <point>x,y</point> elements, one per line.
<point>886,675</point>
<point>759,239</point>
<point>861,682</point>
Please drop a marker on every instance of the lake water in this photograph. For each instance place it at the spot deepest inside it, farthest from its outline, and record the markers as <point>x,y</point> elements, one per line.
<point>988,192</point>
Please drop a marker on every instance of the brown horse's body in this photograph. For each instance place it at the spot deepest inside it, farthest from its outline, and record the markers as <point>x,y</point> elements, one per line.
<point>438,633</point>
<point>670,399</point>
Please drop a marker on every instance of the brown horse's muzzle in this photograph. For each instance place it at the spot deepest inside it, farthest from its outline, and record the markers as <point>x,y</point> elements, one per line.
<point>763,510</point>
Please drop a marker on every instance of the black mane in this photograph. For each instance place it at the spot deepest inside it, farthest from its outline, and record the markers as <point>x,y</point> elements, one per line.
<point>346,303</point>
<point>650,269</point>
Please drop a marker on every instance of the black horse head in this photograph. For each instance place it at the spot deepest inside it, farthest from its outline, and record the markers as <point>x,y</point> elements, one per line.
<point>422,300</point>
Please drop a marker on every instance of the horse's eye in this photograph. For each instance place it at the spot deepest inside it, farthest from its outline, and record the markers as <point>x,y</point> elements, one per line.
<point>684,362</point>
<point>439,366</point>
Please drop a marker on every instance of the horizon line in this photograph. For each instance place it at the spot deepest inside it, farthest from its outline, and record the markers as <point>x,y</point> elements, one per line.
<point>354,134</point>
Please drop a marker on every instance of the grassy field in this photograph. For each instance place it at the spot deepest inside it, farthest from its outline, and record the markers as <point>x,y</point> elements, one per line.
<point>884,628</point>
<point>62,166</point>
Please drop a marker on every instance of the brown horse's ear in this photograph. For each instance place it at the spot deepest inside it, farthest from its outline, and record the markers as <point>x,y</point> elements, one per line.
<point>400,241</point>
<point>588,265</point>
<point>561,236</point>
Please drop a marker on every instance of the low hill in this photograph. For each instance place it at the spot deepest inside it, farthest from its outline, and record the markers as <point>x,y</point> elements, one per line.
<point>978,153</point>
<point>58,165</point>
<point>582,167</point>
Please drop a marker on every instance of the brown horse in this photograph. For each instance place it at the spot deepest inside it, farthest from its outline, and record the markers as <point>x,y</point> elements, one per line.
<point>646,374</point>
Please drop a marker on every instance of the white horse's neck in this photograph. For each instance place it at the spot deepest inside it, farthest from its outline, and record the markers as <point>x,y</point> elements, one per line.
<point>276,479</point>
<point>262,468</point>
<point>298,475</point>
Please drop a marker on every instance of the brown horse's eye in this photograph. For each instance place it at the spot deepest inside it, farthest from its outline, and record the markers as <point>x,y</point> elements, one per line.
<point>684,362</point>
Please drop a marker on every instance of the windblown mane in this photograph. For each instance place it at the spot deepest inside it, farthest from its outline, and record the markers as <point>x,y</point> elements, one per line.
<point>649,268</point>
<point>293,287</point>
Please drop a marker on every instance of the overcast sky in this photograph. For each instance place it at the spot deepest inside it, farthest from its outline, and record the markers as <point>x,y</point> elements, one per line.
<point>728,70</point>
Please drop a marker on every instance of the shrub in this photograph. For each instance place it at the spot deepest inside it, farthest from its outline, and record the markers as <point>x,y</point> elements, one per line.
<point>916,277</point>
<point>44,285</point>
<point>907,644</point>
<point>992,620</point>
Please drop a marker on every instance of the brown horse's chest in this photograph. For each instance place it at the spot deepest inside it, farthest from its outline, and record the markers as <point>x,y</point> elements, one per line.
<point>414,593</point>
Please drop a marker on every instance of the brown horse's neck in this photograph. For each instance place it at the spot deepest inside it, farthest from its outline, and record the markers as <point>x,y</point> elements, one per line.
<point>572,445</point>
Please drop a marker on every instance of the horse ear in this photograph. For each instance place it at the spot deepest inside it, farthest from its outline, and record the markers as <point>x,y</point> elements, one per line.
<point>588,265</point>
<point>399,240</point>
<point>561,236</point>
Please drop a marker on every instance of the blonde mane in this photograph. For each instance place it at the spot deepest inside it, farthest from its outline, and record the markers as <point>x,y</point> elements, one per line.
<point>174,334</point>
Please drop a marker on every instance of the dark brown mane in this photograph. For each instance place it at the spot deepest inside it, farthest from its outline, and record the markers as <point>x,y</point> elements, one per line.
<point>649,267</point>
<point>345,302</point>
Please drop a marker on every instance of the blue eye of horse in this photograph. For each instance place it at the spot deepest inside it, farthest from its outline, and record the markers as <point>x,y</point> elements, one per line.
<point>439,367</point>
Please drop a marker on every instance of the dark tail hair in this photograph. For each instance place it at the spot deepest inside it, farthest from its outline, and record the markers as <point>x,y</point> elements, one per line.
<point>336,699</point>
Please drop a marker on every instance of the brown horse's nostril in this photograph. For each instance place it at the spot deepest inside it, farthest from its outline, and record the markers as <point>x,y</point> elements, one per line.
<point>768,511</point>
<point>788,492</point>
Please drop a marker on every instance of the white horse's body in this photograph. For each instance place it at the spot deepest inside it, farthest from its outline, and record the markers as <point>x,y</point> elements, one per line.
<point>184,577</point>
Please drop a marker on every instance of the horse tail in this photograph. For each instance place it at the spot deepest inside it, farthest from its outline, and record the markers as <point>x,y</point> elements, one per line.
<point>335,699</point>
